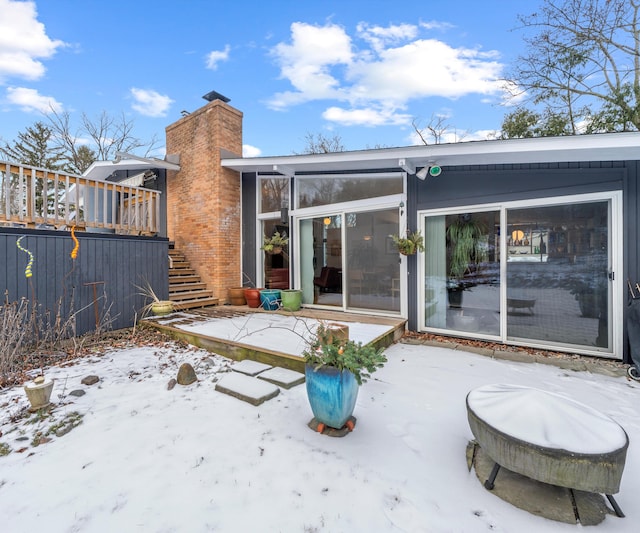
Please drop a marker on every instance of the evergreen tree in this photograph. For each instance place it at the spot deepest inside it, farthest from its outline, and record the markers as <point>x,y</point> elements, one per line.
<point>33,147</point>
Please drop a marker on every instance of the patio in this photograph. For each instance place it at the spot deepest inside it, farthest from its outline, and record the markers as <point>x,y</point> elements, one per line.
<point>274,337</point>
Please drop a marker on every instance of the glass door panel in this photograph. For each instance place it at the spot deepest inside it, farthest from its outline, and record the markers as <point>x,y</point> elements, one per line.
<point>372,263</point>
<point>321,260</point>
<point>276,265</point>
<point>558,263</point>
<point>462,272</point>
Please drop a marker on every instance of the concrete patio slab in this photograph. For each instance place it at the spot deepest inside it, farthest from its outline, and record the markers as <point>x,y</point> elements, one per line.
<point>246,388</point>
<point>250,368</point>
<point>283,377</point>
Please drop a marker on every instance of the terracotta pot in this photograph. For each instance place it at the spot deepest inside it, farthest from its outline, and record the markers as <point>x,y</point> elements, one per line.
<point>252,295</point>
<point>236,296</point>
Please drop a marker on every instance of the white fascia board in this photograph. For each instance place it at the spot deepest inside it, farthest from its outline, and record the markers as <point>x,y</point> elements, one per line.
<point>596,147</point>
<point>101,170</point>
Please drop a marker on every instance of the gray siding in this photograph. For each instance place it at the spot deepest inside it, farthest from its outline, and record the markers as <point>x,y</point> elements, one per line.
<point>249,244</point>
<point>119,261</point>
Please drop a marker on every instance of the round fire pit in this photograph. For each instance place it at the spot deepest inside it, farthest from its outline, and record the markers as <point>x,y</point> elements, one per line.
<point>548,438</point>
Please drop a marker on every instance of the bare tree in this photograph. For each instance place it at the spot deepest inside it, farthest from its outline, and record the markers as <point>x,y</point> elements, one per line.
<point>103,136</point>
<point>318,143</point>
<point>435,130</point>
<point>583,63</point>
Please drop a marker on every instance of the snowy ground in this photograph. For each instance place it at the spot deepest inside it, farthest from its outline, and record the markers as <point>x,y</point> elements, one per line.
<point>192,459</point>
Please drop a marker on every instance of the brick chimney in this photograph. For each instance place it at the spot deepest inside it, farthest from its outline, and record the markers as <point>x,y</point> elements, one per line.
<point>203,199</point>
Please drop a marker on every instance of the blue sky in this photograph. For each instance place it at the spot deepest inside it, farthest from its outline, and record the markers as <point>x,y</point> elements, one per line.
<point>363,70</point>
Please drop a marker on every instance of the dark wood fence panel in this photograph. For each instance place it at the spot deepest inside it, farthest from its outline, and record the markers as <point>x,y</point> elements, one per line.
<point>102,279</point>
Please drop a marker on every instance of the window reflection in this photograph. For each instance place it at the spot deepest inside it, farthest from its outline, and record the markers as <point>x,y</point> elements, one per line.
<point>331,190</point>
<point>557,275</point>
<point>274,194</point>
<point>462,284</point>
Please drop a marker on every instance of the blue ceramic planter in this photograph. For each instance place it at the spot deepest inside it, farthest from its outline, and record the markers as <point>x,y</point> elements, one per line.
<point>270,299</point>
<point>332,394</point>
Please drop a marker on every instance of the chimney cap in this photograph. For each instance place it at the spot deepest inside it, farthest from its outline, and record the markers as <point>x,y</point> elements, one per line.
<point>213,95</point>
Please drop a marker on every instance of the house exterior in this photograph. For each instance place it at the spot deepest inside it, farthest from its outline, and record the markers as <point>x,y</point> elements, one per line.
<point>558,223</point>
<point>551,227</point>
<point>529,242</point>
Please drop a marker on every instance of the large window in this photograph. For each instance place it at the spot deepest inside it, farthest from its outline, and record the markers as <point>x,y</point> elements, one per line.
<point>325,190</point>
<point>522,273</point>
<point>274,193</point>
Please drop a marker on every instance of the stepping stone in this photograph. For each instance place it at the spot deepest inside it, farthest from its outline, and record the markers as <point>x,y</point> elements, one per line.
<point>246,388</point>
<point>250,368</point>
<point>283,377</point>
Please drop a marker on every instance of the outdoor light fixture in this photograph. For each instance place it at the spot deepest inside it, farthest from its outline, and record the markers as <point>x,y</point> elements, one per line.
<point>422,173</point>
<point>432,170</point>
<point>327,221</point>
<point>284,215</point>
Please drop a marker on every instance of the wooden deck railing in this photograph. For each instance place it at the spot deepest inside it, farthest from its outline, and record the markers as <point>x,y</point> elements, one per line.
<point>40,198</point>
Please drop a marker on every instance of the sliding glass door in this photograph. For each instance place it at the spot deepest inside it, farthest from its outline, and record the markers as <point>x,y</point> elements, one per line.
<point>372,261</point>
<point>321,260</point>
<point>462,272</point>
<point>558,269</point>
<point>529,274</point>
<point>348,260</point>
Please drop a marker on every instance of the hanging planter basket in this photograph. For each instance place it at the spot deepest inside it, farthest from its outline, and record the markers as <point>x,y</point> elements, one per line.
<point>409,245</point>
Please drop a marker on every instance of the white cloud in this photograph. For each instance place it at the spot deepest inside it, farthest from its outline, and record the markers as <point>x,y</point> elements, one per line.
<point>250,151</point>
<point>29,100</point>
<point>436,25</point>
<point>379,37</point>
<point>150,103</point>
<point>425,68</point>
<point>366,117</point>
<point>217,56</point>
<point>378,79</point>
<point>23,40</point>
<point>307,63</point>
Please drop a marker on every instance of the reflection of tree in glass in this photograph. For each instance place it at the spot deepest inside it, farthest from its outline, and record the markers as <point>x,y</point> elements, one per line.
<point>327,190</point>
<point>275,194</point>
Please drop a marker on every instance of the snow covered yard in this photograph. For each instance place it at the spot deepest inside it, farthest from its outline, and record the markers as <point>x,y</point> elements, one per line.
<point>192,459</point>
